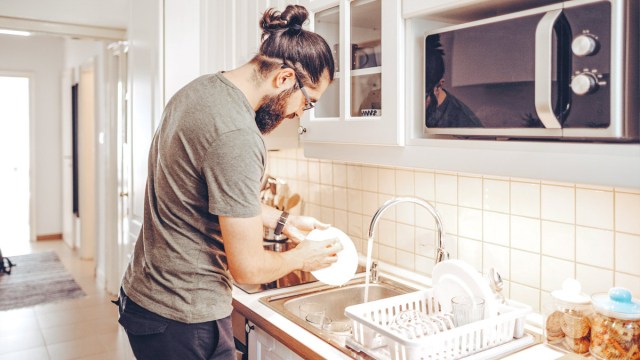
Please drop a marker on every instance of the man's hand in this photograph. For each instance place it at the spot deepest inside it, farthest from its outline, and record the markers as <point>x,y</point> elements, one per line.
<point>297,224</point>
<point>316,255</point>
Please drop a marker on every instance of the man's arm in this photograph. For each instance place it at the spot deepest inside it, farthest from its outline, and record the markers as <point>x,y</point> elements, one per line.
<point>250,263</point>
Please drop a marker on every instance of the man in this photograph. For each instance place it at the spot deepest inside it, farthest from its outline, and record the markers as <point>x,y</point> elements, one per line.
<point>203,221</point>
<point>442,108</point>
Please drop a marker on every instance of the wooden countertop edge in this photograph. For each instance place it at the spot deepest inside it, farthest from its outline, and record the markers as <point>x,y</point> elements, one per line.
<point>291,342</point>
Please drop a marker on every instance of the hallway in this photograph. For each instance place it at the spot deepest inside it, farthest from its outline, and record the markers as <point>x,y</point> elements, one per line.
<point>84,328</point>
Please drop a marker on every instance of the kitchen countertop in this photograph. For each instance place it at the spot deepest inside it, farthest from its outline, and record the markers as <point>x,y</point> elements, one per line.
<point>309,346</point>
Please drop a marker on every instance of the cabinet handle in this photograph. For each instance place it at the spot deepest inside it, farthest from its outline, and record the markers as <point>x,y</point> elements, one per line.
<point>123,194</point>
<point>248,328</point>
<point>301,130</point>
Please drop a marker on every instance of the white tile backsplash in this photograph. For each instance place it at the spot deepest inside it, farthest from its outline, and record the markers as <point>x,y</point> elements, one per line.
<point>594,208</point>
<point>525,199</point>
<point>558,203</point>
<point>594,247</point>
<point>627,211</point>
<point>535,233</point>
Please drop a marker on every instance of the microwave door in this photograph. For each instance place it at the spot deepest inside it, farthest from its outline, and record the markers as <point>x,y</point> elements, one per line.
<point>553,46</point>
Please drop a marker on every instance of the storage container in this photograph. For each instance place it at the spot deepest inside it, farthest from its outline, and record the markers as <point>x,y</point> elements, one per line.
<point>615,326</point>
<point>566,318</point>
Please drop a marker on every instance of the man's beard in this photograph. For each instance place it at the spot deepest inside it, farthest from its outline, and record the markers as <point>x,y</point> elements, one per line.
<point>272,111</point>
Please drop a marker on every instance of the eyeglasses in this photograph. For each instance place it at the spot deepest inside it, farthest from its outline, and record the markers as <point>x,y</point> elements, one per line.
<point>308,105</point>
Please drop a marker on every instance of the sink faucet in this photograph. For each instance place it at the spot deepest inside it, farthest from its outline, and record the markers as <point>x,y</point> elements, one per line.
<point>441,253</point>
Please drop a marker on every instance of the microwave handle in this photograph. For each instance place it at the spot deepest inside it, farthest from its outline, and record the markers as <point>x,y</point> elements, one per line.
<point>543,69</point>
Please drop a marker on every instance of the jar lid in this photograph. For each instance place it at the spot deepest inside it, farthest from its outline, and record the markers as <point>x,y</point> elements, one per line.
<point>571,293</point>
<point>618,304</point>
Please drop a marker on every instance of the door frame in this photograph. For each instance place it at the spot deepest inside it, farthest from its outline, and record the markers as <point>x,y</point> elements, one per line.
<point>32,150</point>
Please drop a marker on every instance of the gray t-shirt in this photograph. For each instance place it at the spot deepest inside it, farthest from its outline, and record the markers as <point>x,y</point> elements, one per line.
<point>206,160</point>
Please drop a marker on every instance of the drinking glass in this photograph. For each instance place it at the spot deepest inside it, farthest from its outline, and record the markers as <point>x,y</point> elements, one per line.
<point>467,309</point>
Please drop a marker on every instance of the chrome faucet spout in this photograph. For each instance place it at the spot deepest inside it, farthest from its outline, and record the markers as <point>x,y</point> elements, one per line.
<point>440,253</point>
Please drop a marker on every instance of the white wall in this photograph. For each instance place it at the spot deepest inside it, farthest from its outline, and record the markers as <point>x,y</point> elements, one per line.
<point>42,56</point>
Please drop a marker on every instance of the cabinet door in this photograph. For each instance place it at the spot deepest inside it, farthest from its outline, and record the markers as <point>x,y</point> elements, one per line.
<point>263,346</point>
<point>361,106</point>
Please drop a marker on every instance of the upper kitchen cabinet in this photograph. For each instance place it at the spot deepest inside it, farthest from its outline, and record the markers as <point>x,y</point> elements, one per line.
<point>465,10</point>
<point>363,104</point>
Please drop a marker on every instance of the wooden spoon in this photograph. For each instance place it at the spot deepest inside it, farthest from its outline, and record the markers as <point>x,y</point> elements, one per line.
<point>292,201</point>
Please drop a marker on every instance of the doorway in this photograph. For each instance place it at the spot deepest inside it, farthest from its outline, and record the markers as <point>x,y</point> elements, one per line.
<point>15,160</point>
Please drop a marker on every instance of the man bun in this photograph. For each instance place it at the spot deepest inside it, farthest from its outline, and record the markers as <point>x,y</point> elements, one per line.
<point>289,20</point>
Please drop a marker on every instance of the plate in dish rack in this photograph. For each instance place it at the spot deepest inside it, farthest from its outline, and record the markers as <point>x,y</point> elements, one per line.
<point>345,268</point>
<point>455,277</point>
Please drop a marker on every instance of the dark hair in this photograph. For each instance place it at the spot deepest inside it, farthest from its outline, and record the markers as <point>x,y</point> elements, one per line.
<point>284,39</point>
<point>434,62</point>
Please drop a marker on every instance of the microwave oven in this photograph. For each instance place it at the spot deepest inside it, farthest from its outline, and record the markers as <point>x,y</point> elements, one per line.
<point>567,71</point>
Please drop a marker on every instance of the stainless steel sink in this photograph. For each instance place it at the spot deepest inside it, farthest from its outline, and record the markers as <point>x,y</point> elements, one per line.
<point>336,327</point>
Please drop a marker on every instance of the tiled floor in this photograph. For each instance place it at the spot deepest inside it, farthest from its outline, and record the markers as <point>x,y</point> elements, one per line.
<point>84,328</point>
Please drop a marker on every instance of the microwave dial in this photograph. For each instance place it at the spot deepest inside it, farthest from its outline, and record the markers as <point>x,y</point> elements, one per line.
<point>585,45</point>
<point>584,83</point>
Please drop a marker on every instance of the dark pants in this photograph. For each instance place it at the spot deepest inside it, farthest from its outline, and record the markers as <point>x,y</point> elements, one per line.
<point>155,337</point>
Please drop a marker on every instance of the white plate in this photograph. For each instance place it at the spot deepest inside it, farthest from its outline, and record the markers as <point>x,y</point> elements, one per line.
<point>455,277</point>
<point>345,268</point>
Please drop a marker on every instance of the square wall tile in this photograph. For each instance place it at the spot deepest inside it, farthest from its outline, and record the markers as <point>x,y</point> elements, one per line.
<point>355,225</point>
<point>554,271</point>
<point>630,282</point>
<point>386,233</point>
<point>525,268</point>
<point>559,240</point>
<point>470,223</point>
<point>593,279</point>
<point>470,251</point>
<point>327,215</point>
<point>449,215</point>
<point>341,220</point>
<point>497,257</point>
<point>425,241</point>
<point>314,193</point>
<point>314,171</point>
<point>495,195</point>
<point>326,195</point>
<point>340,174</point>
<point>405,183</point>
<point>594,208</point>
<point>405,260</point>
<point>389,213</point>
<point>387,254</point>
<point>354,201</point>
<point>423,265</point>
<point>470,192</point>
<point>292,168</point>
<point>303,170</point>
<point>405,237</point>
<point>451,245</point>
<point>370,203</point>
<point>370,178</point>
<point>526,294</point>
<point>424,218</point>
<point>405,213</point>
<point>558,203</point>
<point>354,177</point>
<point>525,199</point>
<point>628,213</point>
<point>525,233</point>
<point>628,253</point>
<point>447,189</point>
<point>326,173</point>
<point>496,228</point>
<point>340,198</point>
<point>425,185</point>
<point>594,247</point>
<point>387,181</point>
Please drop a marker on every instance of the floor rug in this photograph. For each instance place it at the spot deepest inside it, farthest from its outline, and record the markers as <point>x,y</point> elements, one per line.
<point>37,279</point>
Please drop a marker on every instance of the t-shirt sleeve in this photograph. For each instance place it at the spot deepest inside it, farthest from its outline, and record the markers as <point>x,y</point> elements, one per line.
<point>232,169</point>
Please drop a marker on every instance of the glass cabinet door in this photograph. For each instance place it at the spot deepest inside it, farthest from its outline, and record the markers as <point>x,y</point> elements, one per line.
<point>327,24</point>
<point>365,59</point>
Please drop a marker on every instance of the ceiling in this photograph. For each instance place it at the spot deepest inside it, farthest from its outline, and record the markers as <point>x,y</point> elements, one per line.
<point>100,13</point>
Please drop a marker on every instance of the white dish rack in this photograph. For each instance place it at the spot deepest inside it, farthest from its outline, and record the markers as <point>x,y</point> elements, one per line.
<point>374,327</point>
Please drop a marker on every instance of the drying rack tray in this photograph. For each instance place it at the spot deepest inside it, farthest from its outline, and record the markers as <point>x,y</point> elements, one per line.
<point>372,328</point>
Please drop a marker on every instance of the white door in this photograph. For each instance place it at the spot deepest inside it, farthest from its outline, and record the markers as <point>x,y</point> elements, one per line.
<point>14,164</point>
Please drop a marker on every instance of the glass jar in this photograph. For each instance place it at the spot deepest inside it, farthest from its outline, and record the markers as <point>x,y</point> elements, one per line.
<point>615,326</point>
<point>566,319</point>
